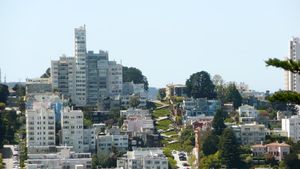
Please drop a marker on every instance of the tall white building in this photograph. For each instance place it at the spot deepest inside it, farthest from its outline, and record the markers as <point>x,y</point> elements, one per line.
<point>87,77</point>
<point>292,127</point>
<point>80,57</point>
<point>40,125</point>
<point>292,79</point>
<point>72,129</point>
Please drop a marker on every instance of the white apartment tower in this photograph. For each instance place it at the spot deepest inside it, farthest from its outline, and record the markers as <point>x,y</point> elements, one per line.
<point>40,125</point>
<point>292,79</point>
<point>87,77</point>
<point>80,58</point>
<point>72,129</point>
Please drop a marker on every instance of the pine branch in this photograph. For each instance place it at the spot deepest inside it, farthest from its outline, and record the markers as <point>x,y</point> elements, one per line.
<point>288,65</point>
<point>286,97</point>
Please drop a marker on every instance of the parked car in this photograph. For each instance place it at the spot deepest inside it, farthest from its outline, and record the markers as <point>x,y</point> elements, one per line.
<point>185,164</point>
<point>182,158</point>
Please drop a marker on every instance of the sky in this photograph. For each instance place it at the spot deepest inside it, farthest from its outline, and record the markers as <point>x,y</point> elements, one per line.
<point>167,40</point>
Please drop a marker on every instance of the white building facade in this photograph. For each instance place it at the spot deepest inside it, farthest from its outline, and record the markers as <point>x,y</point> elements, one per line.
<point>247,111</point>
<point>115,78</point>
<point>59,160</point>
<point>106,143</point>
<point>143,158</point>
<point>249,134</point>
<point>40,125</point>
<point>292,127</point>
<point>88,76</point>
<point>72,129</point>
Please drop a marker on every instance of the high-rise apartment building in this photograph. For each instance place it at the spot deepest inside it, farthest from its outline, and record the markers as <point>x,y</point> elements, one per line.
<point>63,76</point>
<point>80,58</point>
<point>97,65</point>
<point>72,129</point>
<point>114,78</point>
<point>40,125</point>
<point>293,79</point>
<point>88,76</point>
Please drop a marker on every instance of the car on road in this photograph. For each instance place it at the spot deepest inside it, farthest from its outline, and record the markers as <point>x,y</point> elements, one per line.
<point>182,158</point>
<point>185,164</point>
<point>181,155</point>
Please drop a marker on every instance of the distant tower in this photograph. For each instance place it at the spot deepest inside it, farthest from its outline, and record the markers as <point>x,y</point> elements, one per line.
<point>4,79</point>
<point>80,57</point>
<point>0,77</point>
<point>292,79</point>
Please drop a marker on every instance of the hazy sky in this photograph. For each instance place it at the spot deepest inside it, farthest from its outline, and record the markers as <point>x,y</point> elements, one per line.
<point>167,39</point>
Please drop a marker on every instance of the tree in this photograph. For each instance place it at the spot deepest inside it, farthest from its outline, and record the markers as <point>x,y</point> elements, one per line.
<point>131,74</point>
<point>230,149</point>
<point>1,161</point>
<point>199,85</point>
<point>210,144</point>
<point>3,93</point>
<point>218,80</point>
<point>291,66</point>
<point>2,106</point>
<point>211,161</point>
<point>187,139</point>
<point>161,93</point>
<point>19,89</point>
<point>47,74</point>
<point>134,101</point>
<point>218,122</point>
<point>233,95</point>
<point>2,130</point>
<point>291,161</point>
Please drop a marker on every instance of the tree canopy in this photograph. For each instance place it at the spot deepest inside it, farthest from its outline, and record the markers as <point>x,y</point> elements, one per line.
<point>230,149</point>
<point>134,101</point>
<point>288,65</point>
<point>218,122</point>
<point>199,85</point>
<point>47,74</point>
<point>19,89</point>
<point>210,144</point>
<point>131,74</point>
<point>3,93</point>
<point>233,95</point>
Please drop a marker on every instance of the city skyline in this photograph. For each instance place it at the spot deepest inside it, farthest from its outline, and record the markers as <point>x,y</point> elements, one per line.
<point>168,41</point>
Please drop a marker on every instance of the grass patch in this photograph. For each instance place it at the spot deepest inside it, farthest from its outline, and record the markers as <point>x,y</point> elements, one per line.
<point>164,124</point>
<point>157,104</point>
<point>174,146</point>
<point>170,133</point>
<point>161,113</point>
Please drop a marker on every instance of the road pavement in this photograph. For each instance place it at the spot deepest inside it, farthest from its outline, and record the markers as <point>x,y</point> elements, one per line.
<point>8,152</point>
<point>180,163</point>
